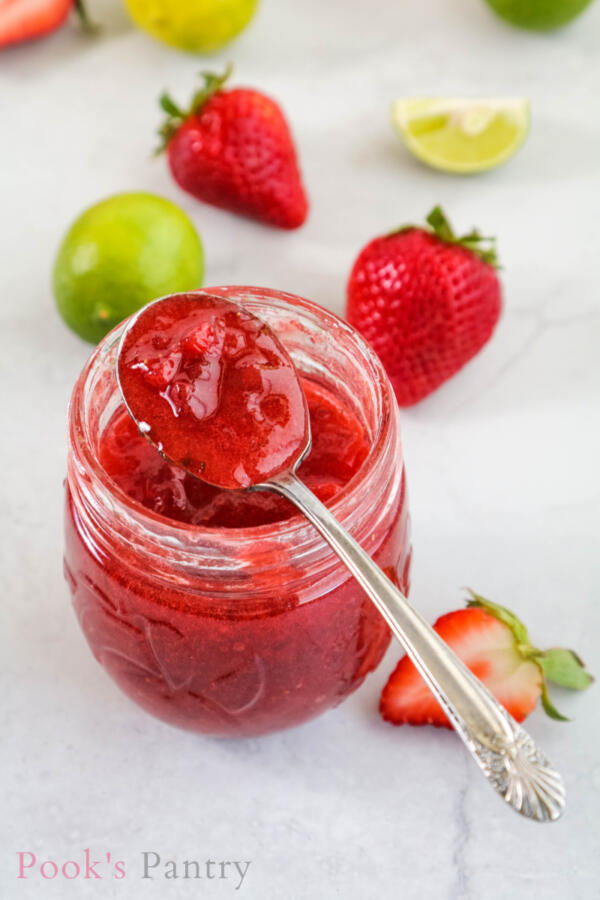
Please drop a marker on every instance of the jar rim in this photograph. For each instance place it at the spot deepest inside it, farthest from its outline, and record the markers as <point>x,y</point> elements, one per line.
<point>350,499</point>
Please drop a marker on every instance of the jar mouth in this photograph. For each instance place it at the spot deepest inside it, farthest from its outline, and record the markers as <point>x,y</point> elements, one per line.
<point>351,505</point>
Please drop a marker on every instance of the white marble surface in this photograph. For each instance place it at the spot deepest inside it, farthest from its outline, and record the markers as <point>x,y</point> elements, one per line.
<point>503,461</point>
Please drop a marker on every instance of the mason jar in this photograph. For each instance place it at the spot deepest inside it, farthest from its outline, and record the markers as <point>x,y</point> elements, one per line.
<point>237,631</point>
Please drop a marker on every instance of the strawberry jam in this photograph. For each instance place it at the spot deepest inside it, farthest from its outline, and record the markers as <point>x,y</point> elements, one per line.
<point>339,446</point>
<point>223,611</point>
<point>213,388</point>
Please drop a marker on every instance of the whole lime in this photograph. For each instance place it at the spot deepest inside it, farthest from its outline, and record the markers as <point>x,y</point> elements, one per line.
<point>120,254</point>
<point>539,15</point>
<point>199,26</point>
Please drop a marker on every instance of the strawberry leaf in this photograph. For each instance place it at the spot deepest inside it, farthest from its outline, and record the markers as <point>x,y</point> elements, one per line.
<point>565,668</point>
<point>176,115</point>
<point>483,247</point>
<point>170,106</point>
<point>549,707</point>
<point>212,85</point>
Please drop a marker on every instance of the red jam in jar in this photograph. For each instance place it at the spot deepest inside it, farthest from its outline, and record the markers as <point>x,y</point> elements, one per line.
<point>339,447</point>
<point>224,612</point>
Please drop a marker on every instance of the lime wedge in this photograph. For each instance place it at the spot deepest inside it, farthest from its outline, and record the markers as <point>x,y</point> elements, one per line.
<point>459,134</point>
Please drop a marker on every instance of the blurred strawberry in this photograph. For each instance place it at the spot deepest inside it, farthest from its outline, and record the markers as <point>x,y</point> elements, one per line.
<point>25,20</point>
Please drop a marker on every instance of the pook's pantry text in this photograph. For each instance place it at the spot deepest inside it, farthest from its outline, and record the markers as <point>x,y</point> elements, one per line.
<point>149,866</point>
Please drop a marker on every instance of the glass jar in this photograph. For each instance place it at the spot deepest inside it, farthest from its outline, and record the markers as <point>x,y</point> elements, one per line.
<point>237,631</point>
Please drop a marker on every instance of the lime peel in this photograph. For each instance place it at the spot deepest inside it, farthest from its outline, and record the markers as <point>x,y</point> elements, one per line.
<point>196,26</point>
<point>118,255</point>
<point>538,15</point>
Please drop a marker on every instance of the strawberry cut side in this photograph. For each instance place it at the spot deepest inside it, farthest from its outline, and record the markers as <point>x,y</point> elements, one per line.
<point>495,646</point>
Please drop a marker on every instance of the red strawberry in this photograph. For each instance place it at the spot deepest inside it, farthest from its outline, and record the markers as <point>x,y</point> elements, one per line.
<point>495,646</point>
<point>426,301</point>
<point>24,20</point>
<point>233,149</point>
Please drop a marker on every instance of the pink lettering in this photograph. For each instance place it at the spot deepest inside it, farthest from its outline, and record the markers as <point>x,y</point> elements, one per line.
<point>90,871</point>
<point>23,865</point>
<point>71,862</point>
<point>53,869</point>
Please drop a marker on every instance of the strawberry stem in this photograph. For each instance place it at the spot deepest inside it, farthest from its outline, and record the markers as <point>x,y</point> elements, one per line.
<point>212,85</point>
<point>176,116</point>
<point>558,665</point>
<point>473,241</point>
<point>440,225</point>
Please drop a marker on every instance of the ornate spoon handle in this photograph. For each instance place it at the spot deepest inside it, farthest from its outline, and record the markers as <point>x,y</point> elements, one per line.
<point>505,753</point>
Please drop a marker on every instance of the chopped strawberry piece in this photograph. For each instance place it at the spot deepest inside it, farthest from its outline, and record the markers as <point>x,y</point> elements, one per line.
<point>161,371</point>
<point>205,340</point>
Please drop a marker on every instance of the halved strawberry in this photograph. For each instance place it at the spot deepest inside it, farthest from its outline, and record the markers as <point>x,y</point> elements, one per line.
<point>495,646</point>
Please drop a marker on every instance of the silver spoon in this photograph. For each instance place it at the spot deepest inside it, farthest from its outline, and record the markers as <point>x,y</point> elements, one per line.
<point>505,753</point>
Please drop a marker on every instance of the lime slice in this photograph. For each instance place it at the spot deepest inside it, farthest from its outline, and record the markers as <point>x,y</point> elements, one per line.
<point>460,134</point>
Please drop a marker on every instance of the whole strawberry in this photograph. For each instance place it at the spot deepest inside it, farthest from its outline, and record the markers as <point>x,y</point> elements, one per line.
<point>26,20</point>
<point>495,646</point>
<point>233,149</point>
<point>427,302</point>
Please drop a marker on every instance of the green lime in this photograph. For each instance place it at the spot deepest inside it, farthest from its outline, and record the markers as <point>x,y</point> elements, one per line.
<point>539,15</point>
<point>199,26</point>
<point>120,254</point>
<point>462,135</point>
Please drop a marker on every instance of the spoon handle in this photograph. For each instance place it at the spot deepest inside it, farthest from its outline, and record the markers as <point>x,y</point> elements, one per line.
<point>505,753</point>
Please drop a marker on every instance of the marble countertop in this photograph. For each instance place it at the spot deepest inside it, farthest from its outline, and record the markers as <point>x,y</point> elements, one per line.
<point>502,461</point>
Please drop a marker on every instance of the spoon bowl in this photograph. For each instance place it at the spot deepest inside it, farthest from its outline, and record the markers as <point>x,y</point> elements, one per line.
<point>208,383</point>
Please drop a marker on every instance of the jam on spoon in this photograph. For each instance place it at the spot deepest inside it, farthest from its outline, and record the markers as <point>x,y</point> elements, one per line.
<point>210,385</point>
<point>212,388</point>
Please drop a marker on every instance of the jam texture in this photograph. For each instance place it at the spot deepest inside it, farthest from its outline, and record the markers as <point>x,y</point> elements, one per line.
<point>270,646</point>
<point>339,447</point>
<point>227,667</point>
<point>211,386</point>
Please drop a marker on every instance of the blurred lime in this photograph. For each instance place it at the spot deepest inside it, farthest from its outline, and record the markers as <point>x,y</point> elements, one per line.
<point>119,255</point>
<point>199,26</point>
<point>539,15</point>
<point>462,135</point>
